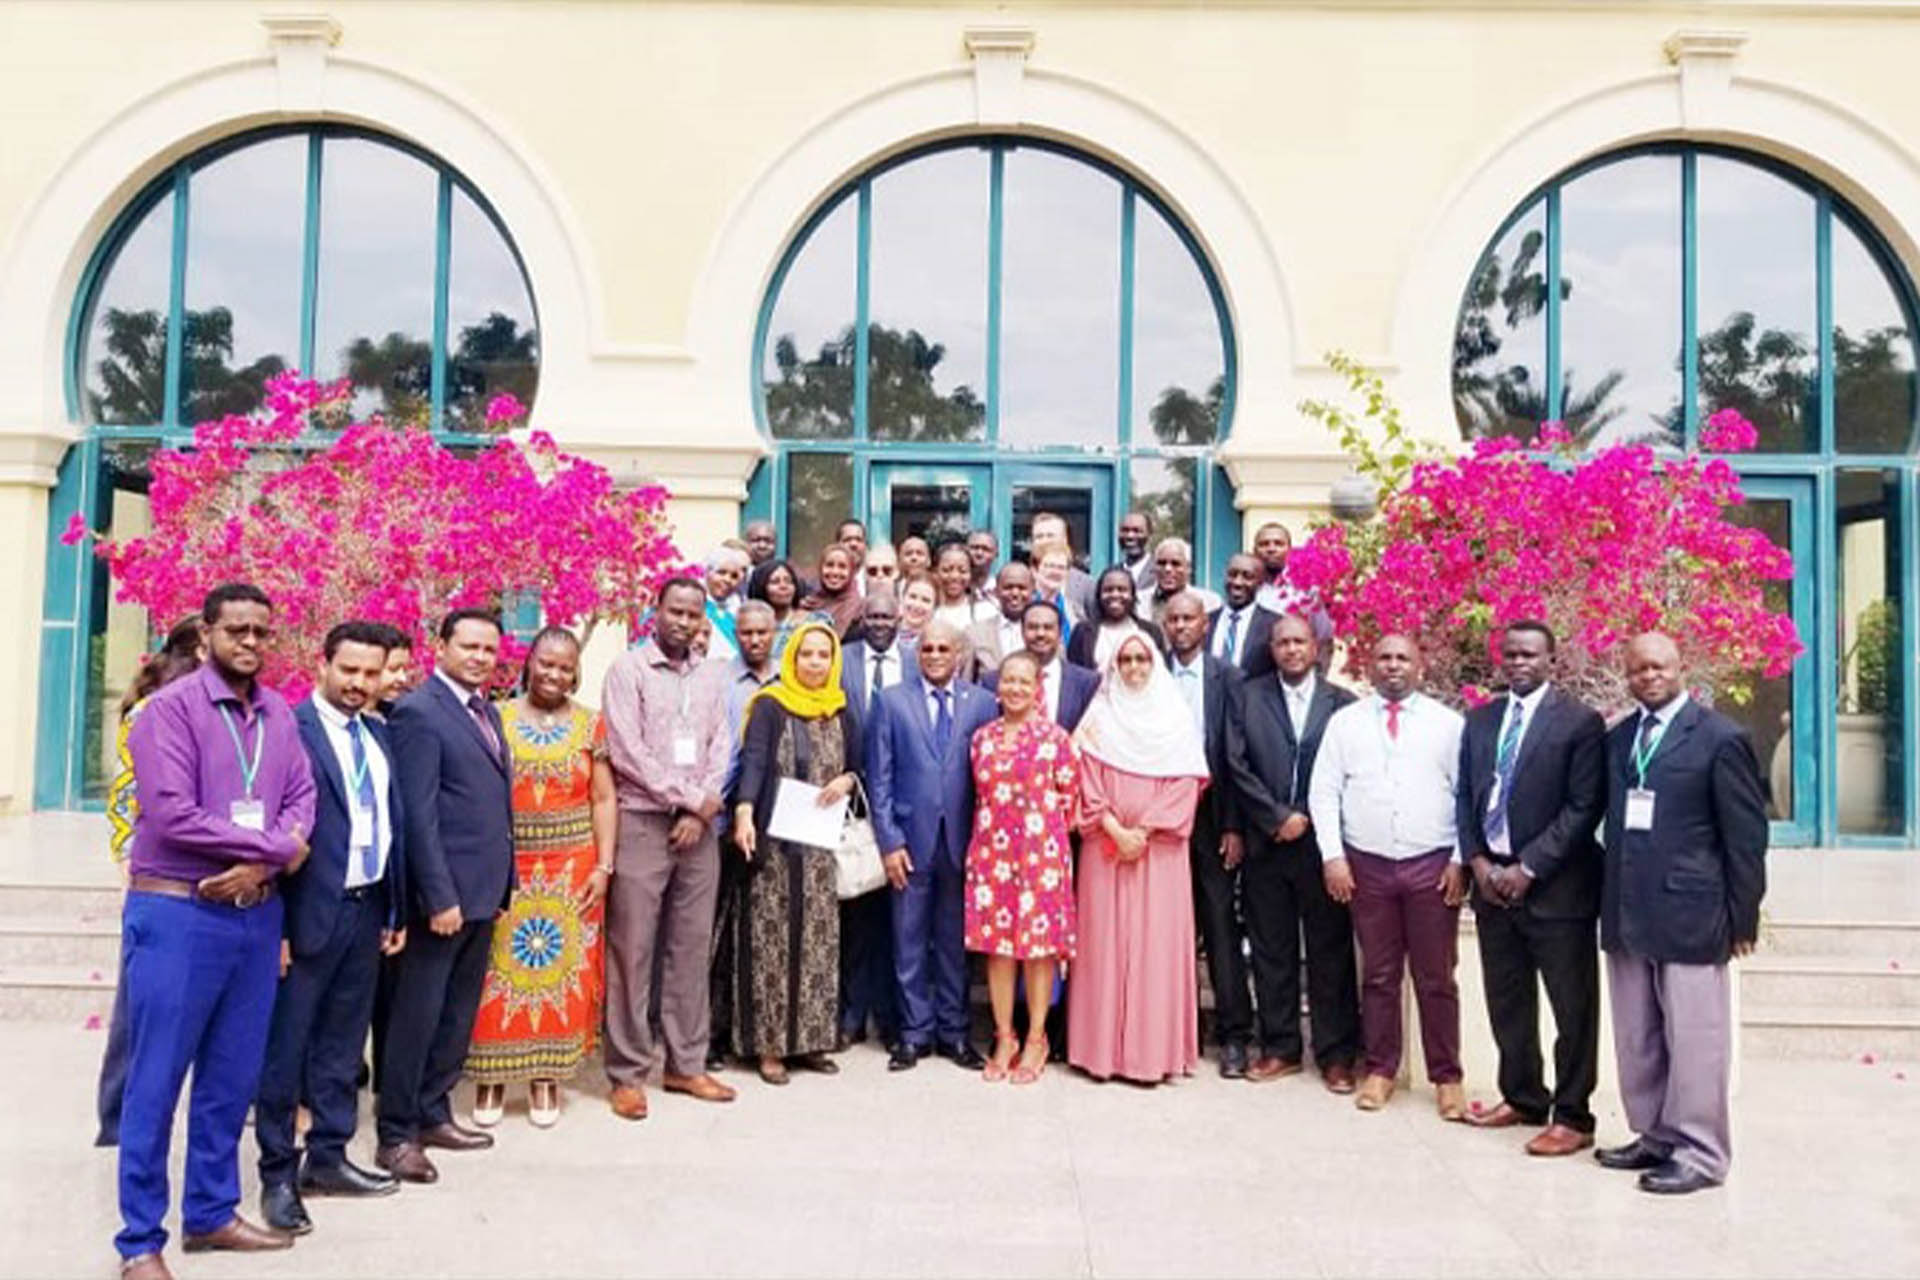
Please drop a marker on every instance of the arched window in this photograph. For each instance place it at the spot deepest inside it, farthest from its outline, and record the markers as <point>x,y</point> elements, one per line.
<point>986,328</point>
<point>1688,279</point>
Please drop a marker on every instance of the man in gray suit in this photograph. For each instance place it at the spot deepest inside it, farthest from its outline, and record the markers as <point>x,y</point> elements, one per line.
<point>992,639</point>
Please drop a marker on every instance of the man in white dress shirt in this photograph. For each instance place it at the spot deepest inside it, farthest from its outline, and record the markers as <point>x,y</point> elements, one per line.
<point>1382,804</point>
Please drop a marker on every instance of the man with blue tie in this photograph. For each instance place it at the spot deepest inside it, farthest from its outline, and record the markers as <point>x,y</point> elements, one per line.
<point>920,781</point>
<point>344,910</point>
<point>1532,787</point>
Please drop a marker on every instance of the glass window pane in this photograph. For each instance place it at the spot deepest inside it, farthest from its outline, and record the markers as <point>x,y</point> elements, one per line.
<point>246,226</point>
<point>122,631</point>
<point>807,368</point>
<point>1870,760</point>
<point>1757,309</point>
<point>1060,308</point>
<point>1500,343</point>
<point>1621,307</point>
<point>927,299</point>
<point>1179,364</point>
<point>1769,714</point>
<point>939,513</point>
<point>1072,503</point>
<point>1164,489</point>
<point>819,497</point>
<point>378,207</point>
<point>493,339</point>
<point>1873,364</point>
<point>123,360</point>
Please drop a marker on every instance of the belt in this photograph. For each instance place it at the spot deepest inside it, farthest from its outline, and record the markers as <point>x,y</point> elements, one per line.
<point>359,893</point>
<point>189,891</point>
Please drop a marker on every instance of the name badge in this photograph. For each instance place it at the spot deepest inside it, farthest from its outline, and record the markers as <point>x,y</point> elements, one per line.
<point>686,752</point>
<point>250,814</point>
<point>362,837</point>
<point>1639,809</point>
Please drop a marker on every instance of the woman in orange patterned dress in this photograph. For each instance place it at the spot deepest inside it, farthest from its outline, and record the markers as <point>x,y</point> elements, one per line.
<point>540,1010</point>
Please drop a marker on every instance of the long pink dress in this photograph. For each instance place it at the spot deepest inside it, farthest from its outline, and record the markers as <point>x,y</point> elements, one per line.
<point>1134,1007</point>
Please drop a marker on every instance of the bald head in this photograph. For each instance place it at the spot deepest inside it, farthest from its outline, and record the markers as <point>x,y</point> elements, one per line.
<point>939,651</point>
<point>1653,669</point>
<point>1294,648</point>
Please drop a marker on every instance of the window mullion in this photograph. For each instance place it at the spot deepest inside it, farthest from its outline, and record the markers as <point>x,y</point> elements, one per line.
<point>1689,300</point>
<point>442,270</point>
<point>310,257</point>
<point>171,381</point>
<point>1553,304</point>
<point>1823,315</point>
<point>996,243</point>
<point>862,307</point>
<point>1126,315</point>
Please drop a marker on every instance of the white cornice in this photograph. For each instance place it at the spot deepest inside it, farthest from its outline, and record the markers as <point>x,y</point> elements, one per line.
<point>300,43</point>
<point>999,54</point>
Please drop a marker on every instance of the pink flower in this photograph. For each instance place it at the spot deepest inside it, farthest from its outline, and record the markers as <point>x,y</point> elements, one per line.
<point>75,531</point>
<point>1727,431</point>
<point>504,408</point>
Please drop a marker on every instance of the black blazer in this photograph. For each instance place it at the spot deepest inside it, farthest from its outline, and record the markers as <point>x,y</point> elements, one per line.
<point>1687,890</point>
<point>1559,793</point>
<point>1220,694</point>
<point>459,798</point>
<point>313,892</point>
<point>1077,687</point>
<point>1256,651</point>
<point>760,773</point>
<point>1086,635</point>
<point>1272,771</point>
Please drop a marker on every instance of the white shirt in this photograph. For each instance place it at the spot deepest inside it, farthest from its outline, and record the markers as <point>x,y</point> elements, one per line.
<point>1191,680</point>
<point>334,721</point>
<point>1525,709</point>
<point>963,615</point>
<point>1052,677</point>
<point>1228,617</point>
<point>888,673</point>
<point>1387,796</point>
<point>1298,697</point>
<point>1664,719</point>
<point>1012,638</point>
<point>951,689</point>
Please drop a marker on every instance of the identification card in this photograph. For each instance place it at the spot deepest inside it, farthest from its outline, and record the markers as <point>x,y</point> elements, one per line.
<point>1639,809</point>
<point>362,835</point>
<point>250,814</point>
<point>686,753</point>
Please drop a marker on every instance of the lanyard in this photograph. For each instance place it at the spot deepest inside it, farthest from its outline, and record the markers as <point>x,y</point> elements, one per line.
<point>248,772</point>
<point>1641,759</point>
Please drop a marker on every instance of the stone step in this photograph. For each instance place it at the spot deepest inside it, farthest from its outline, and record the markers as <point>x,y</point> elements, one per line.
<point>54,899</point>
<point>70,993</point>
<point>1875,940</point>
<point>1845,983</point>
<point>60,940</point>
<point>1818,1031</point>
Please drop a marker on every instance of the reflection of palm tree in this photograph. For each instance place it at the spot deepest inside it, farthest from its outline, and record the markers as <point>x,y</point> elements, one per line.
<point>813,399</point>
<point>494,356</point>
<point>133,374</point>
<point>398,370</point>
<point>1489,399</point>
<point>1179,417</point>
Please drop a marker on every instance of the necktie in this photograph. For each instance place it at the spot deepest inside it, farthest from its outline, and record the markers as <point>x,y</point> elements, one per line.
<point>1393,721</point>
<point>478,705</point>
<point>1649,724</point>
<point>363,796</point>
<point>1503,762</point>
<point>943,723</point>
<point>873,685</point>
<point>1233,637</point>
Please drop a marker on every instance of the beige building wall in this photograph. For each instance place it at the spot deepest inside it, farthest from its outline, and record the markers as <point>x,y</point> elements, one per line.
<point>1342,164</point>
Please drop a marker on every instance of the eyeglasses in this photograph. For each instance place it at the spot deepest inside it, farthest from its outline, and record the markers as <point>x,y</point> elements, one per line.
<point>246,630</point>
<point>882,570</point>
<point>1135,660</point>
<point>1166,563</point>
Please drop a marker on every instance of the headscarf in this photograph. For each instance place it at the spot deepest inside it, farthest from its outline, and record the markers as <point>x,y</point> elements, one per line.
<point>1148,732</point>
<point>843,606</point>
<point>808,704</point>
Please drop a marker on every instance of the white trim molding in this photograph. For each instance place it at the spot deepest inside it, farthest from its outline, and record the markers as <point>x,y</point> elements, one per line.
<point>300,43</point>
<point>1705,59</point>
<point>999,56</point>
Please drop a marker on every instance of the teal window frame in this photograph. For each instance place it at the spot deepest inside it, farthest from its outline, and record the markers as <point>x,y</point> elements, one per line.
<point>1806,478</point>
<point>1216,525</point>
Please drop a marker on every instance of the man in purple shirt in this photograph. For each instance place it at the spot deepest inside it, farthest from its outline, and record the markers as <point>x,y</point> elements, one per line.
<point>226,802</point>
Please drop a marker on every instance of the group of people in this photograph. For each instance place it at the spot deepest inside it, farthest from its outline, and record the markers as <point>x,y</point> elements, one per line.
<point>1083,782</point>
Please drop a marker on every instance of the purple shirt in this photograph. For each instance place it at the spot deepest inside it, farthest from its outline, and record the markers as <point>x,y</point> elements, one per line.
<point>667,730</point>
<point>189,773</point>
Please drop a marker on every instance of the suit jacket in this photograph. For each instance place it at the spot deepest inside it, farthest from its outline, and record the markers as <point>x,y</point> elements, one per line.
<point>1256,651</point>
<point>1688,889</point>
<point>1077,687</point>
<point>856,667</point>
<point>459,802</point>
<point>1559,793</point>
<point>1086,636</point>
<point>911,783</point>
<point>1082,594</point>
<point>1219,702</point>
<point>984,638</point>
<point>1272,769</point>
<point>313,893</point>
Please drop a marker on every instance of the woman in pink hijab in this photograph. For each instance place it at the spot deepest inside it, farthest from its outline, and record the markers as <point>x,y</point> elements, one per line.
<point>1135,1006</point>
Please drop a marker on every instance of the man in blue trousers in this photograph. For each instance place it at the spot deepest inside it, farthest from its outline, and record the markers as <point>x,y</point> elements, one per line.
<point>920,783</point>
<point>226,801</point>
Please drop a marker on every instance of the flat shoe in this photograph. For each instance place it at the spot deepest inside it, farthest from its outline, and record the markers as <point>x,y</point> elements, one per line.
<point>489,1105</point>
<point>818,1063</point>
<point>238,1236</point>
<point>1558,1140</point>
<point>543,1104</point>
<point>774,1072</point>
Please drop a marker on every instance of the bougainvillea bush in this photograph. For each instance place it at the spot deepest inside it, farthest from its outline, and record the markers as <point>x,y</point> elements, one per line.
<point>1602,545</point>
<point>368,520</point>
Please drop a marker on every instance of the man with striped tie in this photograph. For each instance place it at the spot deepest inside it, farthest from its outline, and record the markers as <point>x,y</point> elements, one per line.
<point>1533,785</point>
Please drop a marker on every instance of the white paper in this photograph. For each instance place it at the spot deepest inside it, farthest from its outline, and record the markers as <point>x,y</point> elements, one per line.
<point>799,818</point>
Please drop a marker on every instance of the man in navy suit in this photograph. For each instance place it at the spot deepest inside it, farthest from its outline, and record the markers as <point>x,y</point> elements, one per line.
<point>1240,632</point>
<point>920,780</point>
<point>1685,869</point>
<point>872,664</point>
<point>1066,690</point>
<point>344,910</point>
<point>456,782</point>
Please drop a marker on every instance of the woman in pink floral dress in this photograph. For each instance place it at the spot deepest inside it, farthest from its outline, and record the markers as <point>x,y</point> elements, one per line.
<point>1019,867</point>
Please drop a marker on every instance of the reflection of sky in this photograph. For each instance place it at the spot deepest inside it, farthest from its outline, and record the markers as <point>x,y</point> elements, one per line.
<point>484,276</point>
<point>1176,332</point>
<point>246,214</point>
<point>1757,252</point>
<point>817,297</point>
<point>377,251</point>
<point>929,260</point>
<point>139,280</point>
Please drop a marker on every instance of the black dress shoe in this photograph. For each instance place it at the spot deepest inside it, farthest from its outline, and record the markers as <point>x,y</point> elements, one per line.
<point>905,1057</point>
<point>1635,1155</point>
<point>963,1055</point>
<point>716,1059</point>
<point>452,1137</point>
<point>1233,1062</point>
<point>1675,1179</point>
<point>346,1179</point>
<point>281,1208</point>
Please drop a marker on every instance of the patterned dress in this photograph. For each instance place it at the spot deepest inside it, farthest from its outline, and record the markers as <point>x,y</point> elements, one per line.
<point>540,1011</point>
<point>1019,864</point>
<point>123,800</point>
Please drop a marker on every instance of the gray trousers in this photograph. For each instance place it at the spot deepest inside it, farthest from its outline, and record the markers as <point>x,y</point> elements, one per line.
<point>659,912</point>
<point>1673,1035</point>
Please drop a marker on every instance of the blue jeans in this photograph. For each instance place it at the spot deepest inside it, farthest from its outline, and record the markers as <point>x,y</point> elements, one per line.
<point>199,983</point>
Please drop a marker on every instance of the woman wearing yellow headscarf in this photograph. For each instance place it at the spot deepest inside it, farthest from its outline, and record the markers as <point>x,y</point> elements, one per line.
<point>786,936</point>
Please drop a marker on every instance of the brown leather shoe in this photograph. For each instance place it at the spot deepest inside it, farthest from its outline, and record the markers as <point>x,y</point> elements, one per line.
<point>1558,1140</point>
<point>1338,1077</point>
<point>1374,1093</point>
<point>1269,1067</point>
<point>452,1137</point>
<point>1450,1101</point>
<point>1500,1117</point>
<point>145,1266</point>
<point>238,1236</point>
<point>702,1086</point>
<point>629,1102</point>
<point>407,1162</point>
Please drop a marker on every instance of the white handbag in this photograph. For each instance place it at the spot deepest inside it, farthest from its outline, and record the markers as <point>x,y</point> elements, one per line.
<point>857,869</point>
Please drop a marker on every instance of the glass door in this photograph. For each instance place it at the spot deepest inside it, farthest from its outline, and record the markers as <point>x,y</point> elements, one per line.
<point>1080,493</point>
<point>935,501</point>
<point>1782,712</point>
